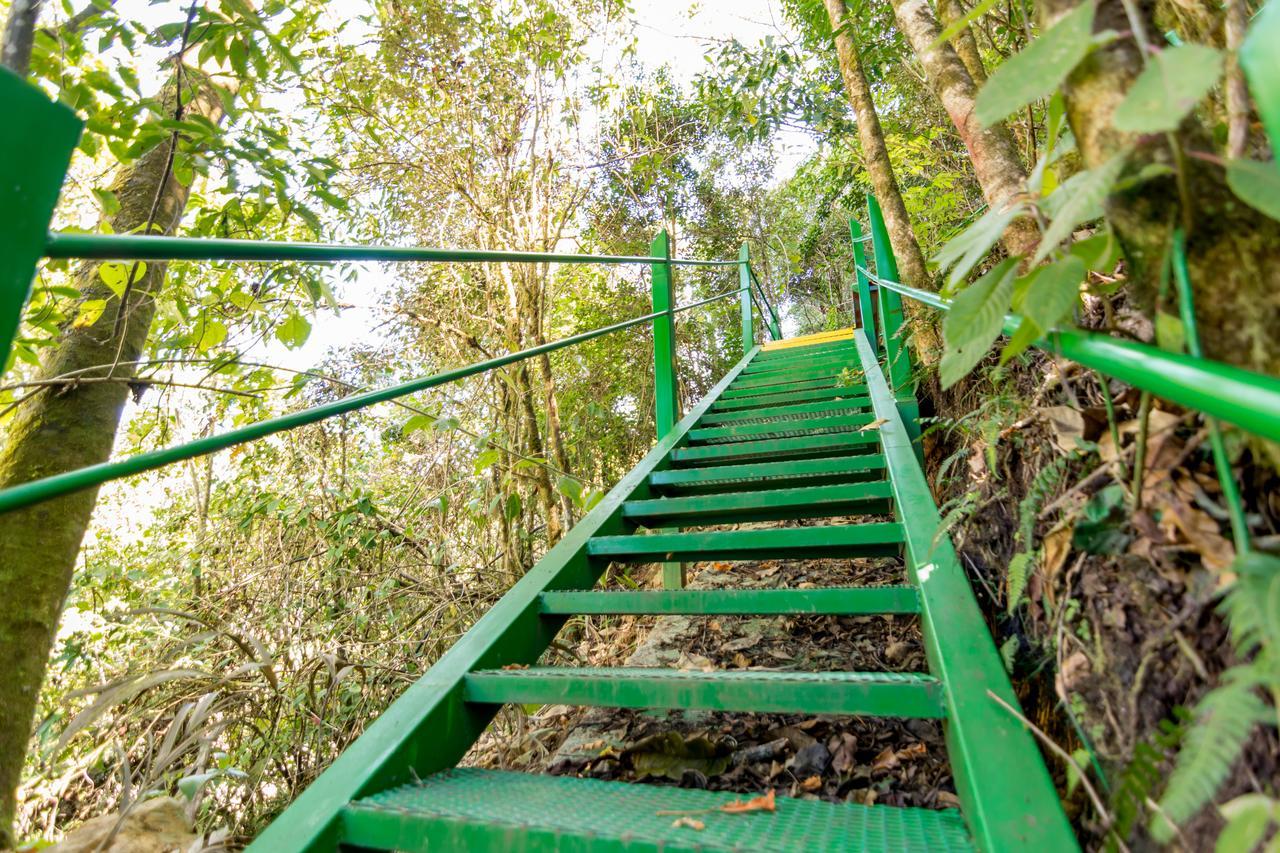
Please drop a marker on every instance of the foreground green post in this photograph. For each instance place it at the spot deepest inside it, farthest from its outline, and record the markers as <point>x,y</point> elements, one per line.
<point>896,354</point>
<point>666,400</point>
<point>744,281</point>
<point>33,162</point>
<point>866,313</point>
<point>666,405</point>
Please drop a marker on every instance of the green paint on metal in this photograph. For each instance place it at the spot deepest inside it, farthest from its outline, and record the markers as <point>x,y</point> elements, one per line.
<point>897,357</point>
<point>1005,791</point>
<point>877,539</point>
<point>767,475</point>
<point>867,600</point>
<point>839,392</point>
<point>744,282</point>
<point>881,694</point>
<point>800,374</point>
<point>34,155</point>
<point>731,507</point>
<point>795,410</point>
<point>666,399</point>
<point>866,313</point>
<point>791,387</point>
<point>777,448</point>
<point>803,425</point>
<point>471,809</point>
<point>837,359</point>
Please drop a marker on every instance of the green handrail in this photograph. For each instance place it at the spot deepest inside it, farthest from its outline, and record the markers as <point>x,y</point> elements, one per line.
<point>131,247</point>
<point>44,489</point>
<point>1247,399</point>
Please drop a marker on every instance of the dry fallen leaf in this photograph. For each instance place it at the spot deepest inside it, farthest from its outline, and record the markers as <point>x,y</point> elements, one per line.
<point>763,803</point>
<point>687,822</point>
<point>516,666</point>
<point>876,424</point>
<point>886,760</point>
<point>915,750</point>
<point>813,783</point>
<point>1066,424</point>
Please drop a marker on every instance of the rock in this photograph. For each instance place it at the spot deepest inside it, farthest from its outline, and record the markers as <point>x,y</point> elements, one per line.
<point>153,826</point>
<point>810,761</point>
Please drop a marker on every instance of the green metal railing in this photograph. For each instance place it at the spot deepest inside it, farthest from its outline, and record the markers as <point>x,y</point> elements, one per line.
<point>33,177</point>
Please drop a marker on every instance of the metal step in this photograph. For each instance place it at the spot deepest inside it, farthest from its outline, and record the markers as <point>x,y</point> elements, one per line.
<point>835,601</point>
<point>872,497</point>
<point>841,359</point>
<point>783,399</point>
<point>795,410</point>
<point>784,377</point>
<point>471,809</point>
<point>778,448</point>
<point>873,694</point>
<point>771,475</point>
<point>734,392</point>
<point>878,539</point>
<point>811,425</point>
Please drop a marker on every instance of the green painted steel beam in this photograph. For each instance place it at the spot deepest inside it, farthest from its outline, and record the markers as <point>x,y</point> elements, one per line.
<point>131,247</point>
<point>823,383</point>
<point>34,156</point>
<point>846,601</point>
<point>795,410</point>
<point>468,809</point>
<point>744,281</point>
<point>767,368</point>
<point>95,475</point>
<point>666,405</point>
<point>878,539</point>
<point>429,728</point>
<point>730,507</point>
<point>786,377</point>
<point>877,694</point>
<point>1005,791</point>
<point>770,475</point>
<point>811,425</point>
<point>840,392</point>
<point>828,444</point>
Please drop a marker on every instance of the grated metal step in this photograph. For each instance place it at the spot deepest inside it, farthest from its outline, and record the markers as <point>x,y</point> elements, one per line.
<point>870,497</point>
<point>878,694</point>
<point>878,539</point>
<point>772,475</point>
<point>842,601</point>
<point>471,809</point>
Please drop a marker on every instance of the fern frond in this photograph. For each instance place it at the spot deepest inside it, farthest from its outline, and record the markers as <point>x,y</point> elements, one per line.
<point>1016,583</point>
<point>1252,605</point>
<point>1224,719</point>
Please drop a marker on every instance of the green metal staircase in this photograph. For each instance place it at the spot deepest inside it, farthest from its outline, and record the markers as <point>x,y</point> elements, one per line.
<point>805,428</point>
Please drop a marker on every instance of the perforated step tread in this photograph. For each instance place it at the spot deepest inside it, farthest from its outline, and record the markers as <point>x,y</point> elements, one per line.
<point>470,809</point>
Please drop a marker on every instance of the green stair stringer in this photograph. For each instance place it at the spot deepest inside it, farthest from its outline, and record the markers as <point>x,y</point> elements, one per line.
<point>863,493</point>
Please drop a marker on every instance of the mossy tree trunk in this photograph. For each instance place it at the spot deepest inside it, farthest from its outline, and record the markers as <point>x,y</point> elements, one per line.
<point>875,155</point>
<point>74,427</point>
<point>1233,250</point>
<point>992,150</point>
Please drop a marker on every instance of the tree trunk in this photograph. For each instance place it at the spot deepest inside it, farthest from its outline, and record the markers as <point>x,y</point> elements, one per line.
<point>992,150</point>
<point>1233,251</point>
<point>875,153</point>
<point>63,430</point>
<point>19,36</point>
<point>966,46</point>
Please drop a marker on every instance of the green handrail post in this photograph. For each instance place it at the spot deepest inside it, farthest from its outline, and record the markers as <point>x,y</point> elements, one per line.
<point>666,404</point>
<point>866,313</point>
<point>34,158</point>
<point>896,353</point>
<point>744,281</point>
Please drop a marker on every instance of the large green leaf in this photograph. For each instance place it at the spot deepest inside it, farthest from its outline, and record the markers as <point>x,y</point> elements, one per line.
<point>1078,200</point>
<point>294,331</point>
<point>970,246</point>
<point>975,320</point>
<point>1256,184</point>
<point>1053,294</point>
<point>1169,87</point>
<point>953,29</point>
<point>1036,71</point>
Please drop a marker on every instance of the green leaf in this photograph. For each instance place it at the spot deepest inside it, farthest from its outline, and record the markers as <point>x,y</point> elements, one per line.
<point>90,311</point>
<point>1079,758</point>
<point>975,320</point>
<point>106,198</point>
<point>1099,252</point>
<point>570,488</point>
<point>1009,652</point>
<point>294,331</point>
<point>970,246</point>
<point>1170,335</point>
<point>1078,200</point>
<point>1053,293</point>
<point>1225,718</point>
<point>116,276</point>
<point>955,27</point>
<point>416,423</point>
<point>1023,337</point>
<point>1038,69</point>
<point>1247,819</point>
<point>1256,184</point>
<point>1019,571</point>
<point>212,333</point>
<point>1169,87</point>
<point>487,459</point>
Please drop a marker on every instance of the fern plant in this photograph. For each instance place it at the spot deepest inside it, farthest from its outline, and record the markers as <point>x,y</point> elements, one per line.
<point>1226,716</point>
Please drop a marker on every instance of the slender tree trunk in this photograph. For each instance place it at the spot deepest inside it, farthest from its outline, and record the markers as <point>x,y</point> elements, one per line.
<point>73,428</point>
<point>1233,250</point>
<point>875,153</point>
<point>950,11</point>
<point>19,36</point>
<point>992,150</point>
